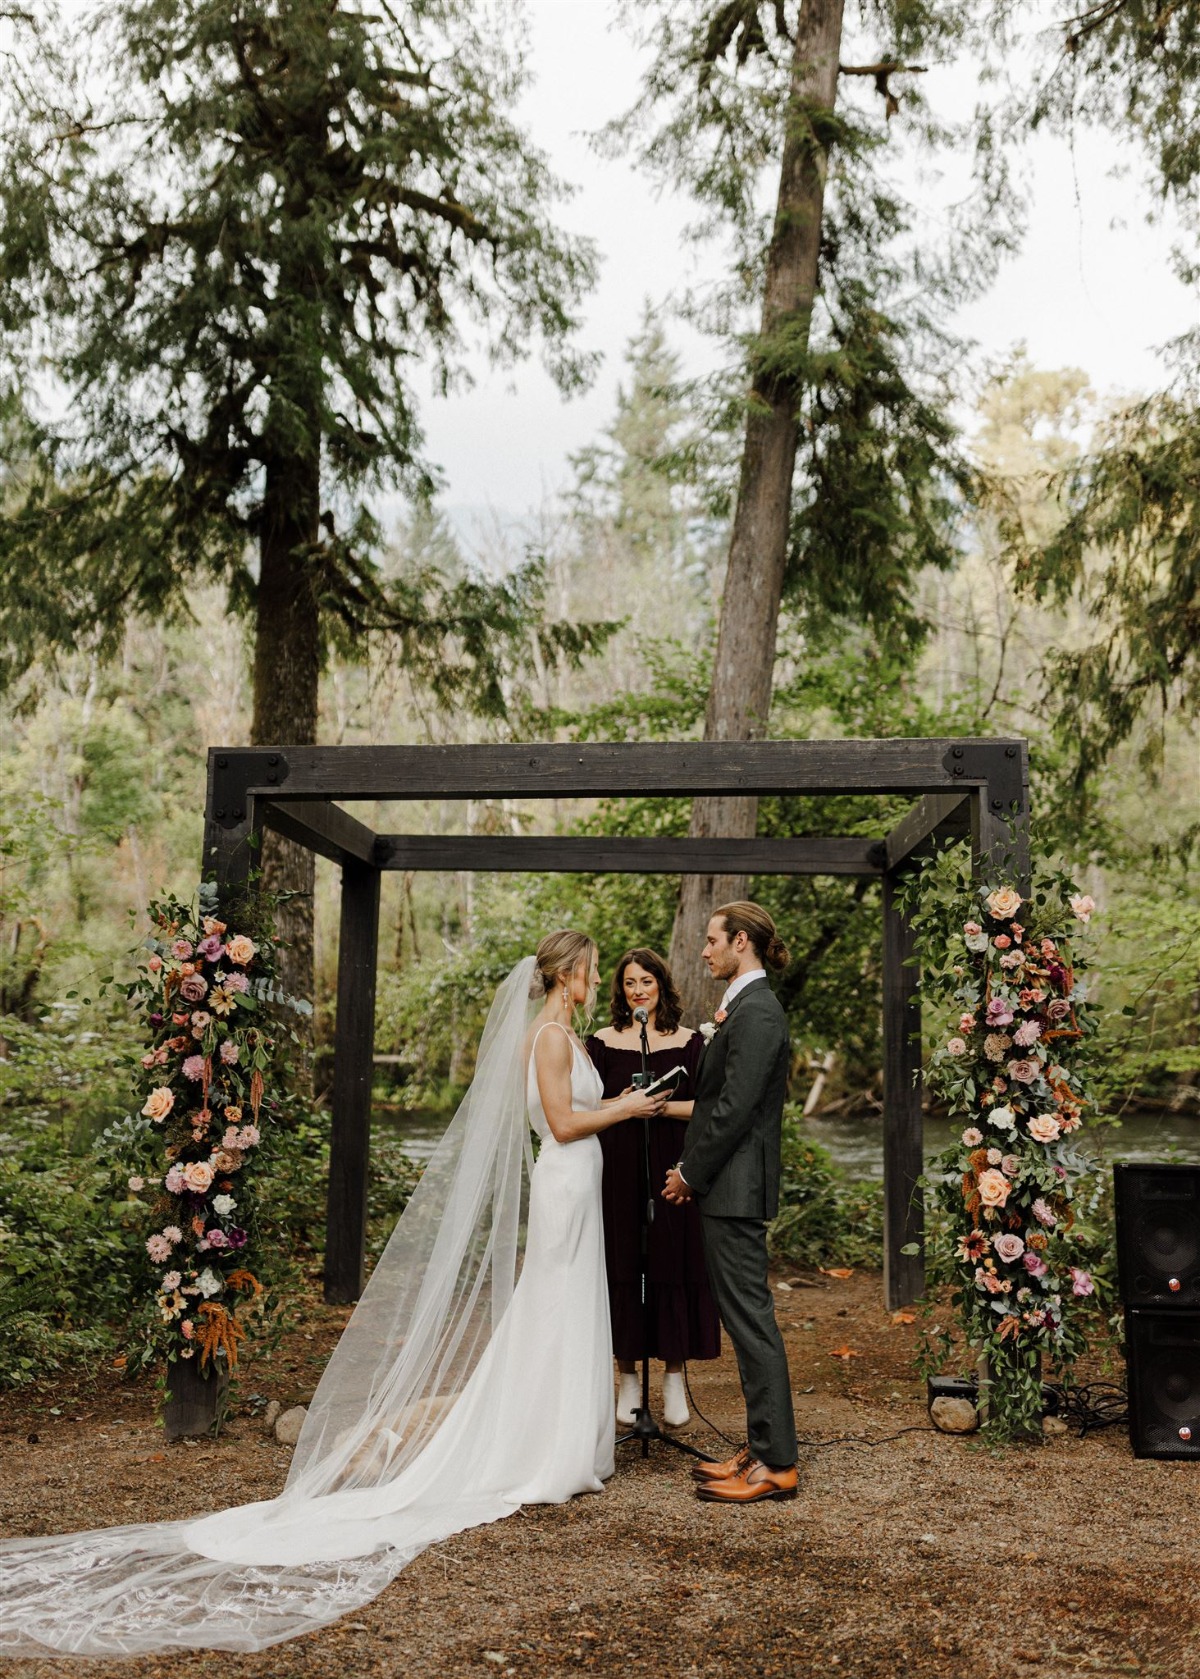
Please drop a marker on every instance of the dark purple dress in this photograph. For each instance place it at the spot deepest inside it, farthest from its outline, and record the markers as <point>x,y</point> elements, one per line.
<point>683,1321</point>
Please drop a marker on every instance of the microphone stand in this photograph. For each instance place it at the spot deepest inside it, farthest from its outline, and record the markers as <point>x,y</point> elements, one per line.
<point>644,1427</point>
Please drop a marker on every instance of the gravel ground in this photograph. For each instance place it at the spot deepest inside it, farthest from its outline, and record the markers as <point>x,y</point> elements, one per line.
<point>928,1556</point>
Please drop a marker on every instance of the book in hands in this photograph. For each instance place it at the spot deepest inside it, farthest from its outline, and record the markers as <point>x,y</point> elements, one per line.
<point>666,1082</point>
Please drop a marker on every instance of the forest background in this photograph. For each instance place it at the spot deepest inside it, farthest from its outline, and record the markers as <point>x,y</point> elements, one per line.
<point>976,545</point>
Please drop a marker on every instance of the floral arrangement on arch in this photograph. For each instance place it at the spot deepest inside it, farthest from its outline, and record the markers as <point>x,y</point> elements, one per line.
<point>200,987</point>
<point>1012,1067</point>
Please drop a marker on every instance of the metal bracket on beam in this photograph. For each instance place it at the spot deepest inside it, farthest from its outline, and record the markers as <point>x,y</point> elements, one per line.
<point>234,773</point>
<point>999,765</point>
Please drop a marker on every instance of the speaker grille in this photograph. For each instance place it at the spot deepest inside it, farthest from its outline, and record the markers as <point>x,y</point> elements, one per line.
<point>1158,1234</point>
<point>1162,1350</point>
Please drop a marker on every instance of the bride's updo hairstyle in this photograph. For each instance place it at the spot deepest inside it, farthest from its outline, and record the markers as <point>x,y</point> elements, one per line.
<point>744,917</point>
<point>558,954</point>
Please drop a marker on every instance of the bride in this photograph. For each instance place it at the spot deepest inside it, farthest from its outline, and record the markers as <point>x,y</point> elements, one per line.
<point>474,1376</point>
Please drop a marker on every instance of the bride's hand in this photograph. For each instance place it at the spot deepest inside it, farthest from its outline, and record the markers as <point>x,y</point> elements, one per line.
<point>640,1105</point>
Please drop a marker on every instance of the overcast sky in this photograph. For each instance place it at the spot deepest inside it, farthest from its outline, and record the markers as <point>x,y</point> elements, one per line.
<point>1092,287</point>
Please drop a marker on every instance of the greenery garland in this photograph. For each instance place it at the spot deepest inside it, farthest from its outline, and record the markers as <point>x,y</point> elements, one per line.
<point>1013,1065</point>
<point>201,987</point>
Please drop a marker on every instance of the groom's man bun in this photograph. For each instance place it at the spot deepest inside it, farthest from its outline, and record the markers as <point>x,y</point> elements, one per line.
<point>753,920</point>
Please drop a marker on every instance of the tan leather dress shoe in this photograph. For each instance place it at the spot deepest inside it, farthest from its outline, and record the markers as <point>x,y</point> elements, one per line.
<point>722,1471</point>
<point>750,1484</point>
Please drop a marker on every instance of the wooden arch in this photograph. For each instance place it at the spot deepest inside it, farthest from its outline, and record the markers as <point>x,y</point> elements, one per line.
<point>976,789</point>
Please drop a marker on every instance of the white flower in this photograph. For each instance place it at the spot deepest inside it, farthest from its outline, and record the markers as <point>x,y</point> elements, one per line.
<point>223,1204</point>
<point>1004,1119</point>
<point>208,1283</point>
<point>708,1031</point>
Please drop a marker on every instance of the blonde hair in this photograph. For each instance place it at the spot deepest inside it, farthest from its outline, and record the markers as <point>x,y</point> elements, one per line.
<point>560,953</point>
<point>753,920</point>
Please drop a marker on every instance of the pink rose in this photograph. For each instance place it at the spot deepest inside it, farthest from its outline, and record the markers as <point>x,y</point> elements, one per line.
<point>1081,1281</point>
<point>1084,906</point>
<point>210,947</point>
<point>1009,1247</point>
<point>158,1104</point>
<point>971,1137</point>
<point>1059,1009</point>
<point>1002,941</point>
<point>198,1176</point>
<point>193,1067</point>
<point>154,964</point>
<point>956,1046</point>
<point>966,1022</point>
<point>158,1249</point>
<point>999,1012</point>
<point>993,1188</point>
<point>217,1238</point>
<point>1044,1214</point>
<point>1044,1128</point>
<point>194,988</point>
<point>1035,1264</point>
<point>148,1060</point>
<point>1024,1071</point>
<point>1010,1165</point>
<point>972,929</point>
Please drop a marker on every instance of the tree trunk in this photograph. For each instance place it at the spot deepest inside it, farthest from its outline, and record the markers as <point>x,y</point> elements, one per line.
<point>287,668</point>
<point>739,700</point>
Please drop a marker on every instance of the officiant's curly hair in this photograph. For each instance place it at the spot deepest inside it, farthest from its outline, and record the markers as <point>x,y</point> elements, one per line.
<point>670,1005</point>
<point>753,920</point>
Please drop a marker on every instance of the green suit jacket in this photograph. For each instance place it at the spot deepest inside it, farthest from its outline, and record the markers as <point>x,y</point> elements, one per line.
<point>731,1157</point>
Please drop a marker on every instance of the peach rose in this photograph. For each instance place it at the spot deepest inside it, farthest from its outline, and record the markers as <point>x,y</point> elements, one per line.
<point>158,1104</point>
<point>1004,902</point>
<point>198,1175</point>
<point>994,1188</point>
<point>240,949</point>
<point>1044,1128</point>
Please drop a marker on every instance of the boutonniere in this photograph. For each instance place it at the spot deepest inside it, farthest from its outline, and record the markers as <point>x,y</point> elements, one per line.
<point>708,1031</point>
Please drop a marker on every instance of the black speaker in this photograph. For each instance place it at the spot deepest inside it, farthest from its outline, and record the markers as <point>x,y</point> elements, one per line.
<point>1158,1234</point>
<point>1162,1353</point>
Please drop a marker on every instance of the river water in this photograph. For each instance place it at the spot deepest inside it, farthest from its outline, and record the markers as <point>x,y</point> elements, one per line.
<point>856,1140</point>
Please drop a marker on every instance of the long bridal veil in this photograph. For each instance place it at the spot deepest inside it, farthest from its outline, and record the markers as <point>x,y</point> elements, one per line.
<point>366,1491</point>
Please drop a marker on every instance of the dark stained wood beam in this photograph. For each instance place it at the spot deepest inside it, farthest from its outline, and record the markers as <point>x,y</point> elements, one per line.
<point>596,770</point>
<point>353,1049</point>
<point>903,1159</point>
<point>321,826</point>
<point>600,854</point>
<point>935,819</point>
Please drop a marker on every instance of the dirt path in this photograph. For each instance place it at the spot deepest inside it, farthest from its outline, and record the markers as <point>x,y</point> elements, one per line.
<point>927,1557</point>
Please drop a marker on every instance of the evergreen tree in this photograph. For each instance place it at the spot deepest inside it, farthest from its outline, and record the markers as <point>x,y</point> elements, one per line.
<point>1127,550</point>
<point>848,465</point>
<point>232,231</point>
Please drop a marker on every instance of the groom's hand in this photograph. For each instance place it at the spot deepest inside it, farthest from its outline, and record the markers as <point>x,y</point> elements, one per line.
<point>676,1190</point>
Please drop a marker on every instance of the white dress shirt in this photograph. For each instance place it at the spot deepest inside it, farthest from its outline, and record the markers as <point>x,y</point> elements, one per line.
<point>740,984</point>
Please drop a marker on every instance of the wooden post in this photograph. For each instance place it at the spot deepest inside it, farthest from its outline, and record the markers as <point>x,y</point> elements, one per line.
<point>354,1044</point>
<point>903,1159</point>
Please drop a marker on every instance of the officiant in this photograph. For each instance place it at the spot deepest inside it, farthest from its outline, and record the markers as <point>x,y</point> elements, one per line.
<point>684,1324</point>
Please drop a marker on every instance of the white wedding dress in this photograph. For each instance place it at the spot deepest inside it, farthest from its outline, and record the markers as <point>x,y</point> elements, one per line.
<point>475,1376</point>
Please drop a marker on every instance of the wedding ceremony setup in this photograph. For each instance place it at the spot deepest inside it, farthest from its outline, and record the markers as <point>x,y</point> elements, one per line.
<point>599,828</point>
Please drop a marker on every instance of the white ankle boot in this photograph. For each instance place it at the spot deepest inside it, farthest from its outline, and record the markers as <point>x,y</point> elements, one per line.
<point>675,1411</point>
<point>629,1397</point>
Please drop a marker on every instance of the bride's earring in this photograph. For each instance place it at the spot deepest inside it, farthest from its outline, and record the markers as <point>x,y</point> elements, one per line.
<point>566,999</point>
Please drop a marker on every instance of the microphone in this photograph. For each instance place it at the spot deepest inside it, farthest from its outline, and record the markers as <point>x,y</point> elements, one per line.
<point>642,1016</point>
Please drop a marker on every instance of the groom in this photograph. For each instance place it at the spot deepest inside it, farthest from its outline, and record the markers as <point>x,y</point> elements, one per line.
<point>730,1165</point>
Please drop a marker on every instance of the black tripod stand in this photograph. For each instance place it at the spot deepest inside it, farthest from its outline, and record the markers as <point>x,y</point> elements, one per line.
<point>644,1427</point>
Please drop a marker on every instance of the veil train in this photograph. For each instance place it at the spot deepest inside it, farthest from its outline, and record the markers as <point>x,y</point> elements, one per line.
<point>407,1399</point>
